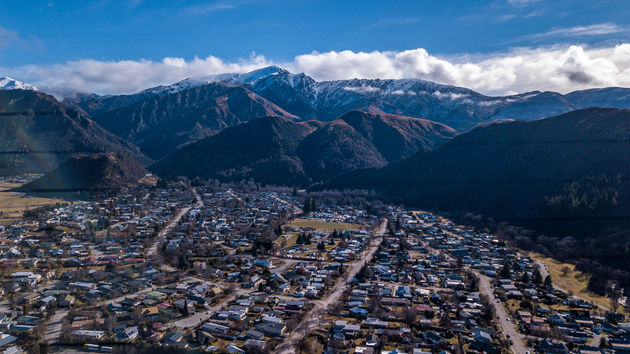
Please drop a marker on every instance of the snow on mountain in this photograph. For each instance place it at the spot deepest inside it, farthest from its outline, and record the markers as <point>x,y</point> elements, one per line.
<point>458,107</point>
<point>7,83</point>
<point>238,78</point>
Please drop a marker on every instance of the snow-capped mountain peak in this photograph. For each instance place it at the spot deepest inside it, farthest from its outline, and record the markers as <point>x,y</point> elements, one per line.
<point>238,78</point>
<point>7,83</point>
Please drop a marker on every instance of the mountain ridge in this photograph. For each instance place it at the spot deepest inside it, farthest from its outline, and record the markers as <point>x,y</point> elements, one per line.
<point>458,107</point>
<point>275,150</point>
<point>102,171</point>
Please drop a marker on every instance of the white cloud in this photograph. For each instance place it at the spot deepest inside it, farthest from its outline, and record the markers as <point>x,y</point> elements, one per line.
<point>127,76</point>
<point>558,68</point>
<point>362,89</point>
<point>8,37</point>
<point>579,31</point>
<point>386,22</point>
<point>522,2</point>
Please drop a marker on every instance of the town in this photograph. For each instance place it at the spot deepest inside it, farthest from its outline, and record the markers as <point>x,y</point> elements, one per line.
<point>241,268</point>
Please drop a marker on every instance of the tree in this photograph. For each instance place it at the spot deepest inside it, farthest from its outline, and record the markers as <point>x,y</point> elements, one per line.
<point>525,278</point>
<point>321,246</point>
<point>505,272</point>
<point>536,276</point>
<point>603,342</point>
<point>526,305</point>
<point>410,315</point>
<point>307,206</point>
<point>548,281</point>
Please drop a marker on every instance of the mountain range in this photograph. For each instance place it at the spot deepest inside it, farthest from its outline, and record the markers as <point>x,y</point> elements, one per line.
<point>277,150</point>
<point>159,124</point>
<point>148,118</point>
<point>312,130</point>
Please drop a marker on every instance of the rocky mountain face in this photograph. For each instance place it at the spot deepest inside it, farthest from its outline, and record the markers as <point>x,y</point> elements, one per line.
<point>275,150</point>
<point>37,133</point>
<point>163,118</point>
<point>159,124</point>
<point>567,173</point>
<point>458,107</point>
<point>104,171</point>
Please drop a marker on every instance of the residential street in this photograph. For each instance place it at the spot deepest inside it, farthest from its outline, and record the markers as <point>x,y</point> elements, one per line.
<point>501,315</point>
<point>153,249</point>
<point>313,318</point>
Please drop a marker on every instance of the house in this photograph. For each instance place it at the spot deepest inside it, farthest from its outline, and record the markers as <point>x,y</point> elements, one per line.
<point>254,334</point>
<point>482,336</point>
<point>548,346</point>
<point>358,312</point>
<point>214,328</point>
<point>87,335</point>
<point>130,333</point>
<point>6,339</point>
<point>272,329</point>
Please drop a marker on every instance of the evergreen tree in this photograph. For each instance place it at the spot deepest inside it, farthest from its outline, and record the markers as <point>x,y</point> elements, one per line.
<point>307,206</point>
<point>536,276</point>
<point>548,281</point>
<point>505,272</point>
<point>525,278</point>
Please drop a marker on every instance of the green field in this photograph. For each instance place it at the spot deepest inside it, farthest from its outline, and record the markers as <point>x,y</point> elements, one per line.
<point>322,225</point>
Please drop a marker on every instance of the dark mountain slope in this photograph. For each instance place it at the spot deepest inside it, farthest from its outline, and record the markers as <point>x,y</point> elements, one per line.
<point>336,148</point>
<point>161,123</point>
<point>397,137</point>
<point>274,150</point>
<point>37,133</point>
<point>106,171</point>
<point>564,173</point>
<point>262,149</point>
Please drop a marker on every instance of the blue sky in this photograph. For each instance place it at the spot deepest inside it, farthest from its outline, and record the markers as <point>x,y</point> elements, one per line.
<point>49,34</point>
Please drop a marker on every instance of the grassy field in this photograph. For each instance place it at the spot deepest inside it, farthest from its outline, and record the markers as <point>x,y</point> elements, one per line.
<point>574,281</point>
<point>12,204</point>
<point>290,238</point>
<point>322,225</point>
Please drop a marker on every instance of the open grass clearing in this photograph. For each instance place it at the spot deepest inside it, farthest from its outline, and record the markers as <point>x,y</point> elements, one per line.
<point>323,225</point>
<point>13,205</point>
<point>574,282</point>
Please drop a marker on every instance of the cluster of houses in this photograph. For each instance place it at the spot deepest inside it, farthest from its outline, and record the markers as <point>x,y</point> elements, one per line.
<point>552,320</point>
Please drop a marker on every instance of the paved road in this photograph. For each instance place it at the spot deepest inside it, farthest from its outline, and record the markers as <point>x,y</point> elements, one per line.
<point>153,249</point>
<point>233,195</point>
<point>296,209</point>
<point>507,326</point>
<point>287,263</point>
<point>313,318</point>
<point>53,329</point>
